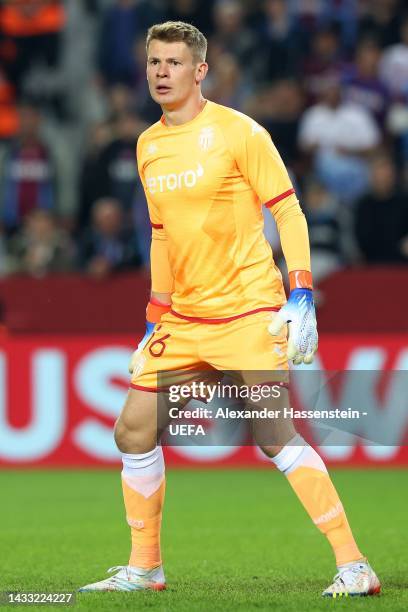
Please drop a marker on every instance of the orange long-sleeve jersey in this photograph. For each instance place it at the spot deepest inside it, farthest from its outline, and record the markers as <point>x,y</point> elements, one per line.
<point>205,183</point>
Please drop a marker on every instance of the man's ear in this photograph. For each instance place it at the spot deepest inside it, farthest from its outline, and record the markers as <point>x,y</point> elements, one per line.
<point>201,72</point>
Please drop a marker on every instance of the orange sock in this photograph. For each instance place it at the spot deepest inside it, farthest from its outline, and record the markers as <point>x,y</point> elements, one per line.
<point>143,483</point>
<point>309,479</point>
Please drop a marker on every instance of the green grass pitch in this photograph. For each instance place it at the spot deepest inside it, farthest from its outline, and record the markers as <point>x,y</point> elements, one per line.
<point>232,540</point>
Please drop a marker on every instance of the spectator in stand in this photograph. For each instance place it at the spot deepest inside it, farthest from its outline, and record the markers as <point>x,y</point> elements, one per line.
<point>27,175</point>
<point>311,15</point>
<point>231,35</point>
<point>344,14</point>
<point>109,244</point>
<point>41,247</point>
<point>122,23</point>
<point>283,43</point>
<point>339,137</point>
<point>381,216</point>
<point>322,214</point>
<point>362,83</point>
<point>394,64</point>
<point>35,27</point>
<point>143,104</point>
<point>118,168</point>
<point>323,63</point>
<point>120,102</point>
<point>124,101</point>
<point>394,73</point>
<point>91,178</point>
<point>380,20</point>
<point>308,14</point>
<point>109,168</point>
<point>225,85</point>
<point>278,107</point>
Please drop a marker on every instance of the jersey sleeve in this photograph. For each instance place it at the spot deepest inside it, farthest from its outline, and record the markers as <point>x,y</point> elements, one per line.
<point>293,233</point>
<point>260,163</point>
<point>154,214</point>
<point>161,274</point>
<point>262,167</point>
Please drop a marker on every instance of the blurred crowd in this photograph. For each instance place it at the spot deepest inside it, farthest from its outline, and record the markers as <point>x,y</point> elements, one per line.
<point>327,78</point>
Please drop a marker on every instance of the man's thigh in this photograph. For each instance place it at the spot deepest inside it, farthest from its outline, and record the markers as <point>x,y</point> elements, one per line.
<point>253,357</point>
<point>169,360</point>
<point>139,425</point>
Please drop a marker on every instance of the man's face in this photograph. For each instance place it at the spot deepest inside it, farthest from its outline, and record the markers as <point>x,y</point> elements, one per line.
<point>172,73</point>
<point>107,217</point>
<point>383,176</point>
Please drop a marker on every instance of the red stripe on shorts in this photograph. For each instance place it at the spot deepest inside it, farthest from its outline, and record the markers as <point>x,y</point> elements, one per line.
<point>148,389</point>
<point>227,319</point>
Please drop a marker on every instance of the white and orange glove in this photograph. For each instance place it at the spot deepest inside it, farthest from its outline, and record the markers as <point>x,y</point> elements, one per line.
<point>299,314</point>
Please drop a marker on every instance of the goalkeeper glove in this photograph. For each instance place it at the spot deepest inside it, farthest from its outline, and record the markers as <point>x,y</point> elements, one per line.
<point>154,312</point>
<point>299,314</point>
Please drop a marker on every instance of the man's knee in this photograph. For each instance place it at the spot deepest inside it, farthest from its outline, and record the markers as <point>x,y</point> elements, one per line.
<point>136,428</point>
<point>270,451</point>
<point>135,440</point>
<point>122,435</point>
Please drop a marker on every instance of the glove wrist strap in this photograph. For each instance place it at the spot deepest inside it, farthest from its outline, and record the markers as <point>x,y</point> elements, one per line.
<point>300,279</point>
<point>155,310</point>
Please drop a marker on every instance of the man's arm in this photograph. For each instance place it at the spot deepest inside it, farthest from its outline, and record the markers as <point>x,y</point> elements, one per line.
<point>299,311</point>
<point>161,276</point>
<point>161,290</point>
<point>261,165</point>
<point>294,237</point>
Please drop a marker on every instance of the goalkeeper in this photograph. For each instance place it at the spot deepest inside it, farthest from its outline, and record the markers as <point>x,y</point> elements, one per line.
<point>217,301</point>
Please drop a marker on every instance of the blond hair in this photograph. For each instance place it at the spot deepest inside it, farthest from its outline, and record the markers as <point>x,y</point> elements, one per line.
<point>178,31</point>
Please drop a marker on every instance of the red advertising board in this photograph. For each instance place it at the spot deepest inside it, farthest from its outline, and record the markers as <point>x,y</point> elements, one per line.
<point>60,395</point>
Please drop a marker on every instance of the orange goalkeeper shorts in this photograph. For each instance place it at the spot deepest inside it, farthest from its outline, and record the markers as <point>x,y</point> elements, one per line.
<point>181,350</point>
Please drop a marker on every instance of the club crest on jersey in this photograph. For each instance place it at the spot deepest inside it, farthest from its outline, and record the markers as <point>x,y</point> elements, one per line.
<point>152,148</point>
<point>206,138</point>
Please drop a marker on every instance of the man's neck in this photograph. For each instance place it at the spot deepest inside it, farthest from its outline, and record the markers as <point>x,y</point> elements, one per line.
<point>187,112</point>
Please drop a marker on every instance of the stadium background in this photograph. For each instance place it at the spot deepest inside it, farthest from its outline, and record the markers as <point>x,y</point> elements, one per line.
<point>329,80</point>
